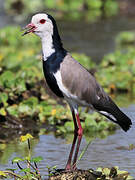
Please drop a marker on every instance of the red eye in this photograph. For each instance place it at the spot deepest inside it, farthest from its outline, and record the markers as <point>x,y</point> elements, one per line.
<point>42,21</point>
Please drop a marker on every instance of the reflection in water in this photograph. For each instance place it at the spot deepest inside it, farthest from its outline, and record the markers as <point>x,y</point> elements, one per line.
<point>105,152</point>
<point>15,149</point>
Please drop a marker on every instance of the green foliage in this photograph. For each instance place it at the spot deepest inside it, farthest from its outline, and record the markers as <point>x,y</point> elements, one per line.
<point>96,4</point>
<point>117,71</point>
<point>84,60</point>
<point>36,159</point>
<point>90,10</point>
<point>22,93</point>
<point>30,170</point>
<point>94,123</point>
<point>29,106</point>
<point>21,71</point>
<point>16,160</point>
<point>125,38</point>
<point>4,98</point>
<point>111,8</point>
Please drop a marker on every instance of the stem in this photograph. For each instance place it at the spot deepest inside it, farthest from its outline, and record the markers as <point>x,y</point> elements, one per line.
<point>13,174</point>
<point>35,165</point>
<point>31,166</point>
<point>83,152</point>
<point>29,153</point>
<point>19,165</point>
<point>29,144</point>
<point>36,169</point>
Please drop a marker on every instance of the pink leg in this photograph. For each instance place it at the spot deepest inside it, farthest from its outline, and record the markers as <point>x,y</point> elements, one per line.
<point>68,166</point>
<point>80,133</point>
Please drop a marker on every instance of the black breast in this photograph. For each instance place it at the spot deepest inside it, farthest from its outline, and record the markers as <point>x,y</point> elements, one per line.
<point>51,66</point>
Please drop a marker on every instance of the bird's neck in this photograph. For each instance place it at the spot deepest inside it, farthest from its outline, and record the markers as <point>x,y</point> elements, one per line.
<point>51,43</point>
<point>47,46</point>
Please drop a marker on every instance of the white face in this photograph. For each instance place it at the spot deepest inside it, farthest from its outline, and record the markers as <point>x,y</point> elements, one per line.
<point>43,25</point>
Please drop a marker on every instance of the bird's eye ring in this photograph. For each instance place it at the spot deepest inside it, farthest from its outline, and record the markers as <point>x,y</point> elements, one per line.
<point>42,21</point>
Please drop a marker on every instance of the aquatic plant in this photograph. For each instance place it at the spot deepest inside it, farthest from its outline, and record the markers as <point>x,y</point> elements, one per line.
<point>117,69</point>
<point>22,91</point>
<point>30,171</point>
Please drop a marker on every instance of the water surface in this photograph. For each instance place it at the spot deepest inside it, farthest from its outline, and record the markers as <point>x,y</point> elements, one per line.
<point>108,152</point>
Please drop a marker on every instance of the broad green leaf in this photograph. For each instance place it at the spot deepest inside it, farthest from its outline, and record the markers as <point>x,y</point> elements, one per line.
<point>13,110</point>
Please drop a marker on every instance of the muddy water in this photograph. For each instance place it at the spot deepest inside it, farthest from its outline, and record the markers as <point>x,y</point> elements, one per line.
<point>95,40</point>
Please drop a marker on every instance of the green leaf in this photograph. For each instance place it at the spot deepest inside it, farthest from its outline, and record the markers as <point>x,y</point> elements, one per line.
<point>36,159</point>
<point>111,7</point>
<point>28,106</point>
<point>9,169</point>
<point>3,112</point>
<point>7,79</point>
<point>69,126</point>
<point>4,98</point>
<point>17,159</point>
<point>13,110</point>
<point>25,170</point>
<point>96,4</point>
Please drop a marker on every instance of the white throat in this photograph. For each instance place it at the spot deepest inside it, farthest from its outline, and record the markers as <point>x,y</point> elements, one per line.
<point>47,45</point>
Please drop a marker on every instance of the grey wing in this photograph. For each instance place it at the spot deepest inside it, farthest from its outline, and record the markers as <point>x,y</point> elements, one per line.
<point>80,82</point>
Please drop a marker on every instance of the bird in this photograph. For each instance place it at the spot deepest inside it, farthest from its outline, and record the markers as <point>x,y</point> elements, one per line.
<point>69,80</point>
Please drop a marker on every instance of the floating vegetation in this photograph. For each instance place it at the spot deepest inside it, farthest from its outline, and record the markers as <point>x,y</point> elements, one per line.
<point>24,94</point>
<point>117,69</point>
<point>22,91</point>
<point>117,72</point>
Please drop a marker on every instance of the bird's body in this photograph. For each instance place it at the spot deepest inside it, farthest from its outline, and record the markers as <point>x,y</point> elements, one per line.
<point>68,79</point>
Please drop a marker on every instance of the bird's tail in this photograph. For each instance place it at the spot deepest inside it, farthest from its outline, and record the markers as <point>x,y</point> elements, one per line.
<point>119,118</point>
<point>111,111</point>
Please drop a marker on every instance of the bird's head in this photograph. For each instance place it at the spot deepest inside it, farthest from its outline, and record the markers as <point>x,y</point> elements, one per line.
<point>40,25</point>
